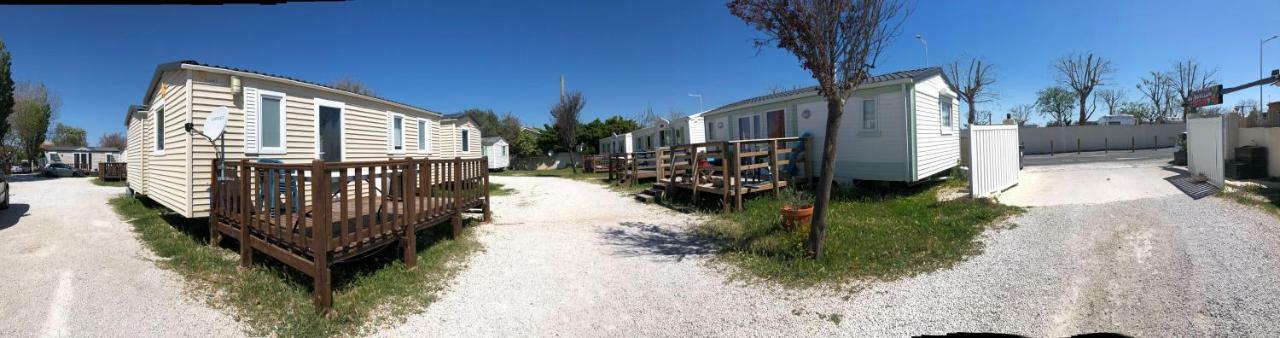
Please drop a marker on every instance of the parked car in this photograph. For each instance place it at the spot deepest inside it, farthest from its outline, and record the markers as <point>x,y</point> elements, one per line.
<point>61,170</point>
<point>20,169</point>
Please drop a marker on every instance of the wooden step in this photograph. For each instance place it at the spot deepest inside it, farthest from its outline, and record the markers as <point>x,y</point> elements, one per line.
<point>644,196</point>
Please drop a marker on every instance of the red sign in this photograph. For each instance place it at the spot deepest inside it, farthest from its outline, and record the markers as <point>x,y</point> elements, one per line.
<point>1205,97</point>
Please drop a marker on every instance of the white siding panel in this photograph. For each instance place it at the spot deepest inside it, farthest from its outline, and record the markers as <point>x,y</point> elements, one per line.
<point>937,147</point>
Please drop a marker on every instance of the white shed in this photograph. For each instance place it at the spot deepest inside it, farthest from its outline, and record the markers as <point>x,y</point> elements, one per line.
<point>616,144</point>
<point>497,151</point>
<point>687,130</point>
<point>901,126</point>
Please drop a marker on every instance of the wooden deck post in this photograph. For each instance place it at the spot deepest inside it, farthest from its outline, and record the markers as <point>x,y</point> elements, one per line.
<point>457,197</point>
<point>694,171</point>
<point>635,169</point>
<point>246,251</point>
<point>657,164</point>
<point>488,214</point>
<point>726,177</point>
<point>320,235</point>
<point>773,165</point>
<point>215,202</point>
<point>737,177</point>
<point>408,179</point>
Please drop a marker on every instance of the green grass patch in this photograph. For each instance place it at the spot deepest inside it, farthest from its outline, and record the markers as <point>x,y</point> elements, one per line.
<point>872,234</point>
<point>115,183</point>
<point>1267,199</point>
<point>496,189</point>
<point>273,299</point>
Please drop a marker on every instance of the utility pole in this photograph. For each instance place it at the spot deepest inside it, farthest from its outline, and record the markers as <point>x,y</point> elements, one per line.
<point>926,48</point>
<point>562,86</point>
<point>1262,104</point>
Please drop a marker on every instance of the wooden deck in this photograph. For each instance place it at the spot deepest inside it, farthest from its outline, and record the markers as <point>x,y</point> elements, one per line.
<point>112,171</point>
<point>732,169</point>
<point>366,206</point>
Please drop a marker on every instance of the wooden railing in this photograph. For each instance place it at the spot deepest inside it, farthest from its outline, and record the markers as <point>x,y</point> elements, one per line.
<point>735,168</point>
<point>595,163</point>
<point>311,215</point>
<point>112,171</point>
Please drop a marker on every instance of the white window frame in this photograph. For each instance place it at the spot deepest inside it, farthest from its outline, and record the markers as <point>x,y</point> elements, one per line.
<point>875,120</point>
<point>342,124</point>
<point>763,132</point>
<point>284,140</point>
<point>403,133</point>
<point>946,125</point>
<point>424,144</point>
<point>157,130</point>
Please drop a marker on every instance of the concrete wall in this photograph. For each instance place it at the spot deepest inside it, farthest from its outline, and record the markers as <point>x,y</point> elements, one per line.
<point>560,160</point>
<point>1095,138</point>
<point>1266,137</point>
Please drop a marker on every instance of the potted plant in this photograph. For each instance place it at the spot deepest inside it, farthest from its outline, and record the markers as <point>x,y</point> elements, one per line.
<point>797,208</point>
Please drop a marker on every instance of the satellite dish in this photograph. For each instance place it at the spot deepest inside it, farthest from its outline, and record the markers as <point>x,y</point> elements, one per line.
<point>215,124</point>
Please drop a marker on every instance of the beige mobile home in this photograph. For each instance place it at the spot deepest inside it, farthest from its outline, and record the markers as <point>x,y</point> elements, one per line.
<point>461,136</point>
<point>271,117</point>
<point>901,126</point>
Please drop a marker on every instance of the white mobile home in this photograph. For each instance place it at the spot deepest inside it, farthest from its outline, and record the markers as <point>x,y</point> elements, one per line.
<point>271,117</point>
<point>83,158</point>
<point>901,126</point>
<point>495,148</point>
<point>616,144</point>
<point>651,137</point>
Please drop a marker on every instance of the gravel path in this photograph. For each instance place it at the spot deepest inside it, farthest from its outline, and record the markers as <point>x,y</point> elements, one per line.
<point>570,258</point>
<point>70,267</point>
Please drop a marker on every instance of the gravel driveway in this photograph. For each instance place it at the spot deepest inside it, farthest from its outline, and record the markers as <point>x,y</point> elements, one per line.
<point>70,267</point>
<point>570,258</point>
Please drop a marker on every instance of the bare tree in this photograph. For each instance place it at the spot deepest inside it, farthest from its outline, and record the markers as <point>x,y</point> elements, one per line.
<point>1158,89</point>
<point>972,83</point>
<point>1189,76</point>
<point>648,117</point>
<point>1022,113</point>
<point>1246,106</point>
<point>1081,73</point>
<point>354,86</point>
<point>113,140</point>
<point>838,41</point>
<point>1112,98</point>
<point>565,116</point>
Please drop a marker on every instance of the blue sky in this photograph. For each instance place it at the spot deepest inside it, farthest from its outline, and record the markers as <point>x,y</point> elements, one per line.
<point>623,55</point>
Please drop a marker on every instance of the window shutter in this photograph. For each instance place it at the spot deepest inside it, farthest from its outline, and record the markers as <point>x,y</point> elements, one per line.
<point>390,133</point>
<point>250,120</point>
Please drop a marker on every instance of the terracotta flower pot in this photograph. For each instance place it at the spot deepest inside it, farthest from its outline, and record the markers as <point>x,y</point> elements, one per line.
<point>793,217</point>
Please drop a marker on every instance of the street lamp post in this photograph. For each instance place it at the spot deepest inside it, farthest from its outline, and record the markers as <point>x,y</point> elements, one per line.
<point>926,48</point>
<point>1260,73</point>
<point>699,96</point>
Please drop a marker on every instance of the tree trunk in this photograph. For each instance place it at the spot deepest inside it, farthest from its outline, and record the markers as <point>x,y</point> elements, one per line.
<point>972,113</point>
<point>818,227</point>
<point>1084,117</point>
<point>573,165</point>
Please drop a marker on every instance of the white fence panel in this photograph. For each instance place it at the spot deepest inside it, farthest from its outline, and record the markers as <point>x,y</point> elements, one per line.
<point>1205,148</point>
<point>993,165</point>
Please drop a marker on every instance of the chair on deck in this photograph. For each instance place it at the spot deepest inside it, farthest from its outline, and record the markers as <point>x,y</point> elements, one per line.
<point>273,186</point>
